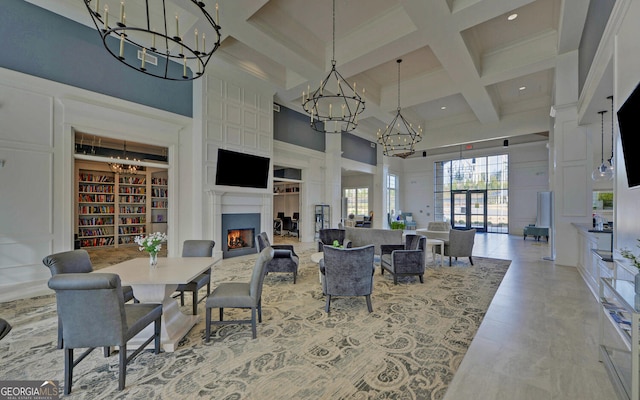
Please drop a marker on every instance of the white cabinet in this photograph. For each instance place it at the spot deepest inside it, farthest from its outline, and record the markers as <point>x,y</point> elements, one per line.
<point>619,334</point>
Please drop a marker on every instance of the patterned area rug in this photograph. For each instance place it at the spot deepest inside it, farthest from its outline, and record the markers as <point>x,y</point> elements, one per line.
<point>408,348</point>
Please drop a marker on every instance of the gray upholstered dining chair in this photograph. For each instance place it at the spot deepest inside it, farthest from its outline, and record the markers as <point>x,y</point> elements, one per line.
<point>196,248</point>
<point>240,295</point>
<point>404,260</point>
<point>5,328</point>
<point>71,262</point>
<point>284,259</point>
<point>94,314</point>
<point>347,272</point>
<point>460,244</point>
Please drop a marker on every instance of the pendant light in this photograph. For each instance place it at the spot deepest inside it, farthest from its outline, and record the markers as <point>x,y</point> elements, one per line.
<point>610,167</point>
<point>601,173</point>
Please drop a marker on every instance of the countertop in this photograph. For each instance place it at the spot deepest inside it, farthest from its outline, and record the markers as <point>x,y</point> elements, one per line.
<point>589,228</point>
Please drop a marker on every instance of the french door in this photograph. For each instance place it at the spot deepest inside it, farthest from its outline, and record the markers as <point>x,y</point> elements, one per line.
<point>469,209</point>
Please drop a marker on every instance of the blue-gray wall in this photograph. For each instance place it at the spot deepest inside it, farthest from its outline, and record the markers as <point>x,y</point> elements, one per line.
<point>38,42</point>
<point>359,149</point>
<point>293,127</point>
<point>597,18</point>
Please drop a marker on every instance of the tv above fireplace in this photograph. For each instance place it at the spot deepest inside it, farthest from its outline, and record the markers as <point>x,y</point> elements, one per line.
<point>243,170</point>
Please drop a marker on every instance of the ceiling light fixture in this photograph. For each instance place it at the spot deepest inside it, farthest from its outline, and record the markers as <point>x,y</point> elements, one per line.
<point>611,167</point>
<point>399,138</point>
<point>602,173</point>
<point>120,168</point>
<point>334,106</point>
<point>521,88</point>
<point>145,39</point>
<point>513,16</point>
<point>443,107</point>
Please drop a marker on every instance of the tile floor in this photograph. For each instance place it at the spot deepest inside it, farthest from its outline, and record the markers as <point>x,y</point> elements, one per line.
<point>539,338</point>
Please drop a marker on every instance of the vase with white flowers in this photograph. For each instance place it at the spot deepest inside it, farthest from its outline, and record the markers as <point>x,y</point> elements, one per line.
<point>635,261</point>
<point>152,244</point>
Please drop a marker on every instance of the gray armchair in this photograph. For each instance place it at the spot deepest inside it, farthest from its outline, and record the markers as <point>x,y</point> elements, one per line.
<point>327,236</point>
<point>240,295</point>
<point>404,260</point>
<point>347,272</point>
<point>71,262</point>
<point>285,258</point>
<point>94,314</point>
<point>196,248</point>
<point>460,244</point>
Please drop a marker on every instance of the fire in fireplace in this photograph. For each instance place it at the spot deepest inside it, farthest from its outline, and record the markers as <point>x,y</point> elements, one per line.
<point>240,238</point>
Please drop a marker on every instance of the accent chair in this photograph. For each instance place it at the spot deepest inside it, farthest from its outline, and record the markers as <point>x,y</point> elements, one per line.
<point>94,314</point>
<point>240,295</point>
<point>75,261</point>
<point>347,272</point>
<point>460,244</point>
<point>285,258</point>
<point>405,260</point>
<point>196,248</point>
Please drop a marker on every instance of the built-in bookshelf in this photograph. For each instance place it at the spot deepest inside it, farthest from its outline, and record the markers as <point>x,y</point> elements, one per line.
<point>112,209</point>
<point>159,201</point>
<point>96,208</point>
<point>132,207</point>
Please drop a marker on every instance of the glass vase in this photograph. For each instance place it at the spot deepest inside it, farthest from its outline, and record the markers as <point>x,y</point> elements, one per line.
<point>153,260</point>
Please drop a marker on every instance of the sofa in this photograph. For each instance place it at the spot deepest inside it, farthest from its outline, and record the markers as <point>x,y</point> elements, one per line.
<point>358,237</point>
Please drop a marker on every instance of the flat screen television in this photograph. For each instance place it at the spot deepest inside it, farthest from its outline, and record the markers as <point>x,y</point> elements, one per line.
<point>244,170</point>
<point>629,123</point>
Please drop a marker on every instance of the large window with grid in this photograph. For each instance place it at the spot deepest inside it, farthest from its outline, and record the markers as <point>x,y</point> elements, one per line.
<point>357,201</point>
<point>473,192</point>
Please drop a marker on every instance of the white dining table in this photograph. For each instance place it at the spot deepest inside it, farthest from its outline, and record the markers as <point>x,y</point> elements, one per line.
<point>156,285</point>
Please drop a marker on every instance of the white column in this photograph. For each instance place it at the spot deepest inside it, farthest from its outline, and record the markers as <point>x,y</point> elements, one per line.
<point>569,163</point>
<point>333,177</point>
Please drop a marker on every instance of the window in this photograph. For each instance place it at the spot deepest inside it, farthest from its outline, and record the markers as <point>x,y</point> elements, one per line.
<point>471,177</point>
<point>357,201</point>
<point>392,194</point>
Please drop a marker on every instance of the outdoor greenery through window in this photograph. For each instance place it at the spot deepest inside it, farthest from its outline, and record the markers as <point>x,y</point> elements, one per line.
<point>392,191</point>
<point>357,201</point>
<point>473,192</point>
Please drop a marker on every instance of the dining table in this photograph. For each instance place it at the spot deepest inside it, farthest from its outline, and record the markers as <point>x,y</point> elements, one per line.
<point>157,284</point>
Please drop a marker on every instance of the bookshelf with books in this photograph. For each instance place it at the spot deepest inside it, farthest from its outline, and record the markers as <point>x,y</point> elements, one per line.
<point>132,207</point>
<point>96,209</point>
<point>112,209</point>
<point>159,201</point>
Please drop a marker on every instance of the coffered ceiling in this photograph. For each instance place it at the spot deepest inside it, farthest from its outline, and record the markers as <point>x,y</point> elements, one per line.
<point>469,74</point>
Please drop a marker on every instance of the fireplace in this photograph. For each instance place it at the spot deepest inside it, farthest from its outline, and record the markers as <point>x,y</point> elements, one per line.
<point>238,234</point>
<point>240,238</point>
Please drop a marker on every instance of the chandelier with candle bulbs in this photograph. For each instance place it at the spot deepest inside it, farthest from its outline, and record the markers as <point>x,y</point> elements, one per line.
<point>121,165</point>
<point>335,105</point>
<point>146,35</point>
<point>400,137</point>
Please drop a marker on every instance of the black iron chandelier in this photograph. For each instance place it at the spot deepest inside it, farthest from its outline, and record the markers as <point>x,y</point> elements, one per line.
<point>335,105</point>
<point>145,35</point>
<point>399,138</point>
